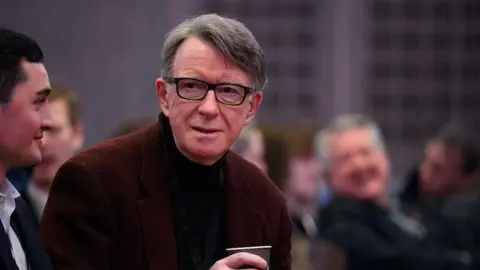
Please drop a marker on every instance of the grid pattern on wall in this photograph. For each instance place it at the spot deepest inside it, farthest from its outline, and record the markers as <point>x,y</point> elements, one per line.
<point>423,65</point>
<point>286,31</point>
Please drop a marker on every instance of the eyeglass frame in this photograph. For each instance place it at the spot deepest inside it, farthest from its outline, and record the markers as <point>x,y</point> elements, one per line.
<point>210,86</point>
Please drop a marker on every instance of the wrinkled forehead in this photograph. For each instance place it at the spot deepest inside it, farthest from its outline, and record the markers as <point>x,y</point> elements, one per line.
<point>199,59</point>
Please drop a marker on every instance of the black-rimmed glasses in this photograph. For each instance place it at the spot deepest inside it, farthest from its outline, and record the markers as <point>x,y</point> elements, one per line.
<point>195,89</point>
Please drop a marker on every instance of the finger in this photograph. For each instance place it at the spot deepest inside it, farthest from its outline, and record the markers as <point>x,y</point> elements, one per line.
<point>240,259</point>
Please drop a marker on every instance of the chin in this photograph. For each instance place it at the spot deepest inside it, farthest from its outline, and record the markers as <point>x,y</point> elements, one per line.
<point>34,157</point>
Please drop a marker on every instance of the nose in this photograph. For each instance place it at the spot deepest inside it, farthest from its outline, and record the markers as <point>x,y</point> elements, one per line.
<point>45,113</point>
<point>209,105</point>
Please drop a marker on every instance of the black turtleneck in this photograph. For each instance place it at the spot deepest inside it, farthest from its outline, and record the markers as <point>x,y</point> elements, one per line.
<point>199,190</point>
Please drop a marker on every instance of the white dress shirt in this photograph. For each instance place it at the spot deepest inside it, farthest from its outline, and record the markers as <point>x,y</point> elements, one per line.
<point>8,194</point>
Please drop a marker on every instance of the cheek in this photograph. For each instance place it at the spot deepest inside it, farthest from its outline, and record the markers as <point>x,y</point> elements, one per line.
<point>339,178</point>
<point>180,112</point>
<point>343,173</point>
<point>30,123</point>
<point>234,119</point>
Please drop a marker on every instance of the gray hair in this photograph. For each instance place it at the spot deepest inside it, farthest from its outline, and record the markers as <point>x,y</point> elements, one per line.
<point>341,124</point>
<point>242,143</point>
<point>231,37</point>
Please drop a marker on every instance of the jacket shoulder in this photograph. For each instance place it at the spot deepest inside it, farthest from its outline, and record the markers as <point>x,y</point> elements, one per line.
<point>117,151</point>
<point>255,179</point>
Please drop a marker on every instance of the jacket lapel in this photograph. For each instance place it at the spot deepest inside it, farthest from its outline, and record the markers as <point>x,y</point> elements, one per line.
<point>244,222</point>
<point>33,248</point>
<point>5,251</point>
<point>155,209</point>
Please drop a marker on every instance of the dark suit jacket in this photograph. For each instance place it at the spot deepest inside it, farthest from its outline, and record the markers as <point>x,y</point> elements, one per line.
<point>26,229</point>
<point>370,239</point>
<point>110,208</point>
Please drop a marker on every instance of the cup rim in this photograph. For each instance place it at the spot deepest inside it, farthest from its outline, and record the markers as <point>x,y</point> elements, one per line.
<point>248,248</point>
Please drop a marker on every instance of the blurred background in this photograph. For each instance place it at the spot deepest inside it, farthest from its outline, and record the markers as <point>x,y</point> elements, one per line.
<point>411,65</point>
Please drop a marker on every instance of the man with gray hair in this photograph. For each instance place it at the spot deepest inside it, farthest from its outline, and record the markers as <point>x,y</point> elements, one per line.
<point>352,153</point>
<point>172,196</point>
<point>362,228</point>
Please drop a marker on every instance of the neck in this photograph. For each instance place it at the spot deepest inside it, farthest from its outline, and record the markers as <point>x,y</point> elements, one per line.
<point>190,168</point>
<point>198,160</point>
<point>3,173</point>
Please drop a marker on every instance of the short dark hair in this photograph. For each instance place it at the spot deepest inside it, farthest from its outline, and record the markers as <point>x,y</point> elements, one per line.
<point>462,135</point>
<point>15,47</point>
<point>73,105</point>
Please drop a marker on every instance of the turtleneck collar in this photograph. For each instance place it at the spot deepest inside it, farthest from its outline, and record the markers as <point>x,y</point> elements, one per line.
<point>188,173</point>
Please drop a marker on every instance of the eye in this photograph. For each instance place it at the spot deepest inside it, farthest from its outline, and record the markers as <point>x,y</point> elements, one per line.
<point>191,84</point>
<point>232,90</point>
<point>39,102</point>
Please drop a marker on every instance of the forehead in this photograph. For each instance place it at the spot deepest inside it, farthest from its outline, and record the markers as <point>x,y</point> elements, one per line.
<point>198,58</point>
<point>350,140</point>
<point>36,79</point>
<point>58,111</point>
<point>438,152</point>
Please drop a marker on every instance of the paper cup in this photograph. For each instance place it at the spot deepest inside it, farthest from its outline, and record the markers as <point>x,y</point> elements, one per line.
<point>262,251</point>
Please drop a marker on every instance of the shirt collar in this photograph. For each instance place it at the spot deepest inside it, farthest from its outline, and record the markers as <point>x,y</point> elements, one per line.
<point>8,190</point>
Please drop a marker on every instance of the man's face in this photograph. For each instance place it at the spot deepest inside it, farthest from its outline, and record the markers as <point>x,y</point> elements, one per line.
<point>304,178</point>
<point>60,141</point>
<point>440,172</point>
<point>358,167</point>
<point>21,119</point>
<point>204,130</point>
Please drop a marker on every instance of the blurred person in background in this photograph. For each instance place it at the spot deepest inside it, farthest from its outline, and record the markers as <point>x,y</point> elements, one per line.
<point>447,186</point>
<point>172,196</point>
<point>250,146</point>
<point>24,90</point>
<point>276,157</point>
<point>63,136</point>
<point>363,228</point>
<point>132,125</point>
<point>451,162</point>
<point>301,189</point>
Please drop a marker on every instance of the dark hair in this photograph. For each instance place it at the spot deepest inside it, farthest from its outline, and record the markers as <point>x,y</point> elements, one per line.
<point>462,135</point>
<point>73,105</point>
<point>14,47</point>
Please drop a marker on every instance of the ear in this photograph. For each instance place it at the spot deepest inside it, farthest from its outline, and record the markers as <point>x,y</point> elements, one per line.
<point>161,88</point>
<point>254,104</point>
<point>78,136</point>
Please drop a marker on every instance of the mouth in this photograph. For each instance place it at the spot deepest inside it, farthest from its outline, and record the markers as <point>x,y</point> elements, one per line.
<point>206,130</point>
